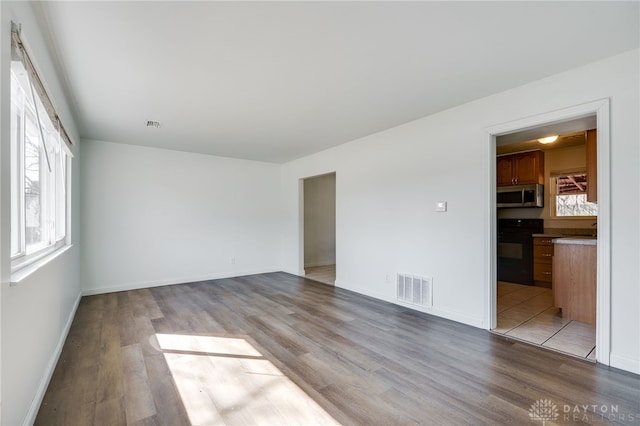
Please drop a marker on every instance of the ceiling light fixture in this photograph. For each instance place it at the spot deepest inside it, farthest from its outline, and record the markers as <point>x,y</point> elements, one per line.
<point>548,139</point>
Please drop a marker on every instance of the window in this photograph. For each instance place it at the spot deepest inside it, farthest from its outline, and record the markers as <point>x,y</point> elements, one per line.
<point>569,196</point>
<point>40,165</point>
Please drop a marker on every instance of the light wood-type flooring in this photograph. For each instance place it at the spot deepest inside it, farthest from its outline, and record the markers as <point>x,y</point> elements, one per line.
<point>527,313</point>
<point>324,274</point>
<point>276,349</point>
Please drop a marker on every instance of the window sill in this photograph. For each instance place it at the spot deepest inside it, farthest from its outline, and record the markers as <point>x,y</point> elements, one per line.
<point>591,218</point>
<point>25,271</point>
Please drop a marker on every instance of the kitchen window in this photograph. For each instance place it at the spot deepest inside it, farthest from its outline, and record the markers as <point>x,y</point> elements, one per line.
<point>40,168</point>
<point>569,196</point>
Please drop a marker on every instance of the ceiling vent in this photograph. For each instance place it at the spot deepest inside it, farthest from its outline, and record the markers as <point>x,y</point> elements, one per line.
<point>151,123</point>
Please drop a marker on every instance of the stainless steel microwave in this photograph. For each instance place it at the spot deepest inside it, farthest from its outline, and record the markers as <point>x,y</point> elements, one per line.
<point>520,196</point>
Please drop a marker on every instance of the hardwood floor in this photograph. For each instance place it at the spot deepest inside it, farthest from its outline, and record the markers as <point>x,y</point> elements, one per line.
<point>324,274</point>
<point>279,349</point>
<point>527,313</point>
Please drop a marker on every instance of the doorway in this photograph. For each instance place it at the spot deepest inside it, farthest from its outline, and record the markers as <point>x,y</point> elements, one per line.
<point>319,195</point>
<point>524,300</point>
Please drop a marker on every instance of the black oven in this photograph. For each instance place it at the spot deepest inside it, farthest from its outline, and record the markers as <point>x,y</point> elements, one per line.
<point>515,249</point>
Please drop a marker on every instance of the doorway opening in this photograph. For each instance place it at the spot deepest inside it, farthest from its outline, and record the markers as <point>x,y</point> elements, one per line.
<point>319,217</point>
<point>541,301</point>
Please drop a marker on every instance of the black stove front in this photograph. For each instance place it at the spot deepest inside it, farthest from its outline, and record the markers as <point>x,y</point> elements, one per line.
<point>515,249</point>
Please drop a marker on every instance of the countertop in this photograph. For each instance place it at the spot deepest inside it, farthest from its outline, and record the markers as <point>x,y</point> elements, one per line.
<point>577,240</point>
<point>547,236</point>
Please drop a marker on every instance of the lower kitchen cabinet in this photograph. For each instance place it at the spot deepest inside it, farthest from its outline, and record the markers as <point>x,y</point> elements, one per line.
<point>574,281</point>
<point>542,261</point>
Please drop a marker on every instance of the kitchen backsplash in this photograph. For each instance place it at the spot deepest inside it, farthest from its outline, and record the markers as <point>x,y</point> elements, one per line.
<point>572,231</point>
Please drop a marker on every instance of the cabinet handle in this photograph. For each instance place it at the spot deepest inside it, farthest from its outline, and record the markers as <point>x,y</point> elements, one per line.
<point>546,273</point>
<point>547,254</point>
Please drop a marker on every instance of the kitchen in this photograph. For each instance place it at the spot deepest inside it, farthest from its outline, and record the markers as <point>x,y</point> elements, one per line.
<point>547,236</point>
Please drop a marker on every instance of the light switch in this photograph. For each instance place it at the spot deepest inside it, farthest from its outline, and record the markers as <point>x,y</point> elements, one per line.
<point>441,206</point>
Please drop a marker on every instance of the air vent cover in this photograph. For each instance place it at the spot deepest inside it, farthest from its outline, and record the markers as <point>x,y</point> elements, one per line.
<point>415,290</point>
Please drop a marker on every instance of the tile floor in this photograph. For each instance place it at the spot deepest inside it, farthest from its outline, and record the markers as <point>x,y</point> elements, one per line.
<point>527,313</point>
<point>324,274</point>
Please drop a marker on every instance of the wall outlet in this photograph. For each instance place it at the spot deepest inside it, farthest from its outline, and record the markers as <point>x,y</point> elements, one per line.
<point>232,260</point>
<point>387,278</point>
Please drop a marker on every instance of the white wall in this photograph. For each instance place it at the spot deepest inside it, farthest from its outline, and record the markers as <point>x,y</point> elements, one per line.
<point>36,313</point>
<point>390,182</point>
<point>4,173</point>
<point>320,221</point>
<point>154,217</point>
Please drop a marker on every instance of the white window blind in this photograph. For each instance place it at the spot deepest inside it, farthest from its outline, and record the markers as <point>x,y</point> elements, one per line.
<point>19,53</point>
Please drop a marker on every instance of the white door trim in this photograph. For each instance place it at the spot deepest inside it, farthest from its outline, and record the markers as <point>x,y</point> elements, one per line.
<point>301,224</point>
<point>603,297</point>
<point>301,271</point>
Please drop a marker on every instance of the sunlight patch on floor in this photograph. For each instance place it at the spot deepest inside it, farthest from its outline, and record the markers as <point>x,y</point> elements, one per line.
<point>224,380</point>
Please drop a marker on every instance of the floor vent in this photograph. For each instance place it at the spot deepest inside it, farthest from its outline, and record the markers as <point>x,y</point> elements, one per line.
<point>415,290</point>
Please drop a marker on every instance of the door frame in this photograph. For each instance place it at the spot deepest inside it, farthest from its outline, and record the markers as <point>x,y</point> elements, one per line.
<point>601,108</point>
<point>301,223</point>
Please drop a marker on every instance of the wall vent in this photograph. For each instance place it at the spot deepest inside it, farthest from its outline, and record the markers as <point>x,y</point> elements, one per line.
<point>415,290</point>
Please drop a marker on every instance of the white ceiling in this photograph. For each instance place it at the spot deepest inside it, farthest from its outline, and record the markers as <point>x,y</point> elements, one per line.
<point>275,81</point>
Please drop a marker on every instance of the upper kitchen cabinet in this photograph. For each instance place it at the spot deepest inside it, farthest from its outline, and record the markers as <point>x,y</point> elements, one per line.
<point>519,169</point>
<point>592,166</point>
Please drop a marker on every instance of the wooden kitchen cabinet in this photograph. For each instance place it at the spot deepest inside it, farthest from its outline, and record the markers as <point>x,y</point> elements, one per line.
<point>542,261</point>
<point>574,281</point>
<point>520,169</point>
<point>592,165</point>
<point>504,170</point>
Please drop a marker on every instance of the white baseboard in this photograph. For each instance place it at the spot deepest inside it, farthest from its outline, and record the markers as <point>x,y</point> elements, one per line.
<point>316,264</point>
<point>172,281</point>
<point>436,311</point>
<point>458,317</point>
<point>30,418</point>
<point>625,363</point>
<point>355,288</point>
<point>293,271</point>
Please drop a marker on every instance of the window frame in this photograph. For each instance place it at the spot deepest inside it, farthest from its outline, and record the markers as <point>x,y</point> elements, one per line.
<point>553,193</point>
<point>54,198</point>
